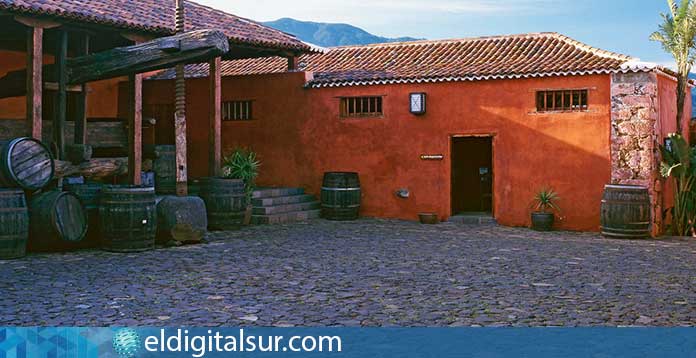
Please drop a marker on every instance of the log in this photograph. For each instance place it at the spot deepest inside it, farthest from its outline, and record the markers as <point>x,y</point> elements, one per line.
<point>96,168</point>
<point>189,47</point>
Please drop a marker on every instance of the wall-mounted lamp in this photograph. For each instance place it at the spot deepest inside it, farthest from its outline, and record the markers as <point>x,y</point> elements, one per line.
<point>417,103</point>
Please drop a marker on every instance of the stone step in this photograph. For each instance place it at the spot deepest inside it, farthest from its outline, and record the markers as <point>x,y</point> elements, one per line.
<point>261,193</point>
<point>473,220</point>
<point>282,200</point>
<point>285,208</point>
<point>285,218</point>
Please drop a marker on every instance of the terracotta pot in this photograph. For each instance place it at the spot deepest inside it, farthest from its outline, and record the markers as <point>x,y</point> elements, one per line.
<point>428,218</point>
<point>542,221</point>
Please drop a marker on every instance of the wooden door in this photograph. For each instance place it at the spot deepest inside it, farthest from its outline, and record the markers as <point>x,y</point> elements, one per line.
<point>472,174</point>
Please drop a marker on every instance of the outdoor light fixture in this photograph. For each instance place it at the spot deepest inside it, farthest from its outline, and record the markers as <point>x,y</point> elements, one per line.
<point>417,103</point>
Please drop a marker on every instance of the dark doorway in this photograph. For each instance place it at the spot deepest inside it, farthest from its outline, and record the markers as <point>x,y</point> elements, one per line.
<point>472,175</point>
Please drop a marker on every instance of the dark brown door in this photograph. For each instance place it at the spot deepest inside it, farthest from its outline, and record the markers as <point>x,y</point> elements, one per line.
<point>472,174</point>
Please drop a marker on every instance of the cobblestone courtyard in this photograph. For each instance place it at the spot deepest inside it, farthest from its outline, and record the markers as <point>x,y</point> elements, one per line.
<point>369,272</point>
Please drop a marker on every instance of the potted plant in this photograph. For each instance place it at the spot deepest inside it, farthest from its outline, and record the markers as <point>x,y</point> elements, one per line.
<point>544,204</point>
<point>243,164</point>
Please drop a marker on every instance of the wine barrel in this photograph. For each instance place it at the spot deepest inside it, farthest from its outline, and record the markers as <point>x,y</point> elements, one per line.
<point>164,167</point>
<point>225,202</point>
<point>14,224</point>
<point>57,221</point>
<point>625,211</point>
<point>128,218</point>
<point>25,163</point>
<point>89,194</point>
<point>340,196</point>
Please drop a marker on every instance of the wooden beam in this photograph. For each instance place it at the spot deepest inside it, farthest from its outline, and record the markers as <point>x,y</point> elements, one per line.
<point>81,99</point>
<point>194,46</point>
<point>37,22</point>
<point>135,129</point>
<point>61,104</point>
<point>214,135</point>
<point>34,80</point>
<point>189,47</point>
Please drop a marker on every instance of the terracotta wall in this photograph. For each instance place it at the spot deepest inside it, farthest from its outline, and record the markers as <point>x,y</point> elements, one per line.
<point>102,97</point>
<point>299,135</point>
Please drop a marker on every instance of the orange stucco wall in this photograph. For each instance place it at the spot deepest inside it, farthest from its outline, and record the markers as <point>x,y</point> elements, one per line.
<point>299,135</point>
<point>102,96</point>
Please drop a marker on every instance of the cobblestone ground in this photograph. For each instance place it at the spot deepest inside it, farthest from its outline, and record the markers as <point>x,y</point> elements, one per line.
<point>369,272</point>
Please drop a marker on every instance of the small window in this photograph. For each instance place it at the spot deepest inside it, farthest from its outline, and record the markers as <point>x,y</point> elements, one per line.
<point>352,107</point>
<point>561,100</point>
<point>237,111</point>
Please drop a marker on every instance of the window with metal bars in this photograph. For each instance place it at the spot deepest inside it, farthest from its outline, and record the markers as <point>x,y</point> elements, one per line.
<point>561,100</point>
<point>237,110</point>
<point>356,107</point>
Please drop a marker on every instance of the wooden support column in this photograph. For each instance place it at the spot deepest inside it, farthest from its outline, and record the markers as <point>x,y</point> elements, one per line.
<point>180,133</point>
<point>214,135</point>
<point>61,95</point>
<point>81,99</point>
<point>135,129</point>
<point>293,63</point>
<point>34,77</point>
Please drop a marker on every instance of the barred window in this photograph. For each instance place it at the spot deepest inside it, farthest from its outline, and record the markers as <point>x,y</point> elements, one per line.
<point>561,100</point>
<point>355,107</point>
<point>237,110</point>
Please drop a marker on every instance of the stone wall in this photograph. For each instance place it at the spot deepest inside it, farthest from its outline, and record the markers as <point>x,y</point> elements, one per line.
<point>635,134</point>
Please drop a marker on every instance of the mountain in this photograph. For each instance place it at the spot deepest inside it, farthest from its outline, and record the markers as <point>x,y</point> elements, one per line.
<point>330,35</point>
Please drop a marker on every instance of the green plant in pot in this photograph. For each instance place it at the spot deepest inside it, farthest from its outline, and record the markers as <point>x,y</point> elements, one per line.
<point>544,204</point>
<point>243,164</point>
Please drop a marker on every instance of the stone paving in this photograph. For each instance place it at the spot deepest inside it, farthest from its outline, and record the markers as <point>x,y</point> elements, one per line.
<point>370,272</point>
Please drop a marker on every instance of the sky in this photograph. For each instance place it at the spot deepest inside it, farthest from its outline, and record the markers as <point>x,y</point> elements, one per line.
<point>616,25</point>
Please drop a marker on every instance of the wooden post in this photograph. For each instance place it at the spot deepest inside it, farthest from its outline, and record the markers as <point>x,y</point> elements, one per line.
<point>214,135</point>
<point>135,128</point>
<point>180,133</point>
<point>293,63</point>
<point>34,95</point>
<point>61,95</point>
<point>81,100</point>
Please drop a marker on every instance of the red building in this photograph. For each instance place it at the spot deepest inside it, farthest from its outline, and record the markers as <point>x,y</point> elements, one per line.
<point>504,116</point>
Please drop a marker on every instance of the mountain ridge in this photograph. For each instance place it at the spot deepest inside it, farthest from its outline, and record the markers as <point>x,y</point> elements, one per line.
<point>330,34</point>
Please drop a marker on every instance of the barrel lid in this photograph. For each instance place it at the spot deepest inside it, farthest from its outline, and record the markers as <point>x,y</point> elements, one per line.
<point>128,189</point>
<point>625,186</point>
<point>30,162</point>
<point>70,217</point>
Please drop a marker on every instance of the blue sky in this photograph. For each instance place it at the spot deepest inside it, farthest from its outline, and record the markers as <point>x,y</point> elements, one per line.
<point>616,25</point>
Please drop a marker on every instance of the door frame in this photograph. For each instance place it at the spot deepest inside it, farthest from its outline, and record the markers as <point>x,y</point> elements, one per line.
<point>450,141</point>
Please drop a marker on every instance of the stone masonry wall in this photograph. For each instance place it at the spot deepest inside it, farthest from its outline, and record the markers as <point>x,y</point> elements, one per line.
<point>635,135</point>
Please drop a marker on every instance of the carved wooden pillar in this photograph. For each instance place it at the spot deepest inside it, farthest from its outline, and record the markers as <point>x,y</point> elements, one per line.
<point>214,135</point>
<point>135,128</point>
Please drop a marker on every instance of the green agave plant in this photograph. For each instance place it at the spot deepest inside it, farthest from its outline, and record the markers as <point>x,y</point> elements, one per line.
<point>545,200</point>
<point>679,162</point>
<point>242,164</point>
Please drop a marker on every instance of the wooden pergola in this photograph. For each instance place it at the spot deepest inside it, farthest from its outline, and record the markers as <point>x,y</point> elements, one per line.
<point>74,44</point>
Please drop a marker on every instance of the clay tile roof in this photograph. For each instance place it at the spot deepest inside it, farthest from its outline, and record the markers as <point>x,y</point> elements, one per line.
<point>483,58</point>
<point>157,16</point>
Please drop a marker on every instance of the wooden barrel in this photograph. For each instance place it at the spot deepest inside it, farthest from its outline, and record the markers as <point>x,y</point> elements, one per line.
<point>25,163</point>
<point>340,196</point>
<point>625,211</point>
<point>14,224</point>
<point>225,202</point>
<point>164,167</point>
<point>128,218</point>
<point>89,194</point>
<point>57,221</point>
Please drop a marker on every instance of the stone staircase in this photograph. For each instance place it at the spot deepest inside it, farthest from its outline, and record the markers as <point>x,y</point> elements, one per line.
<point>283,205</point>
<point>473,219</point>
